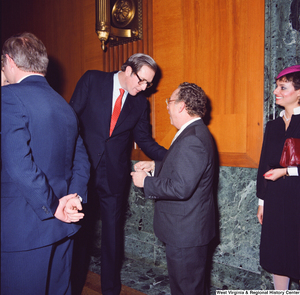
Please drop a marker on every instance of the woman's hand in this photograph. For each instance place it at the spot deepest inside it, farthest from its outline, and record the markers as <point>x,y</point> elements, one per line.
<point>260,214</point>
<point>274,174</point>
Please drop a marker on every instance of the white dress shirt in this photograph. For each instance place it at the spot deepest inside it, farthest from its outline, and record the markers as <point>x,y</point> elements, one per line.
<point>183,127</point>
<point>116,92</point>
<point>30,75</point>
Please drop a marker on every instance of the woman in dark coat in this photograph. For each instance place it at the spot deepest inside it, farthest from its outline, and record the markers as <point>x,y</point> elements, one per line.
<point>278,188</point>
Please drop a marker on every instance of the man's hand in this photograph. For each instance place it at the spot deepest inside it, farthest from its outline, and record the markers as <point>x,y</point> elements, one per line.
<point>138,178</point>
<point>72,207</point>
<point>67,210</point>
<point>144,166</point>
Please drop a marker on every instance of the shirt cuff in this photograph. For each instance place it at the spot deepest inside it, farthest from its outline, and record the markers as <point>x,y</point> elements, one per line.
<point>260,202</point>
<point>292,171</point>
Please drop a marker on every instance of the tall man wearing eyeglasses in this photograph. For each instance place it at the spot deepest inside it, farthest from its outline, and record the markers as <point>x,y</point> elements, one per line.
<point>113,113</point>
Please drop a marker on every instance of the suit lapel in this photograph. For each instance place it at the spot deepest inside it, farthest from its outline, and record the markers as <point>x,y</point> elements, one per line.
<point>106,105</point>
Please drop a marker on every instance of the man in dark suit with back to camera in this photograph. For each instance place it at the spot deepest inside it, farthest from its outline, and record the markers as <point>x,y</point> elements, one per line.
<point>113,113</point>
<point>182,187</point>
<point>44,175</point>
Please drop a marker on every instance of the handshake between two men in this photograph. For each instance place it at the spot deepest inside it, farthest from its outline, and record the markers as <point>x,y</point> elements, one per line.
<point>142,169</point>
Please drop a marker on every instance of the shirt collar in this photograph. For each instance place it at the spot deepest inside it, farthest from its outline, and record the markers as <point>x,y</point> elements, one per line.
<point>183,127</point>
<point>188,123</point>
<point>29,76</point>
<point>296,112</point>
<point>117,85</point>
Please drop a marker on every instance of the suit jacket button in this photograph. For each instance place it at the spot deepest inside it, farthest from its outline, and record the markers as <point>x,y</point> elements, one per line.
<point>45,209</point>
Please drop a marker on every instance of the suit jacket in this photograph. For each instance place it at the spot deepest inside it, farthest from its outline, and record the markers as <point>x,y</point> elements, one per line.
<point>183,190</point>
<point>43,159</point>
<point>92,101</point>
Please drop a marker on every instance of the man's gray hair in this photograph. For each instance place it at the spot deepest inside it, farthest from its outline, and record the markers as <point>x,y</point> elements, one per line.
<point>139,60</point>
<point>28,52</point>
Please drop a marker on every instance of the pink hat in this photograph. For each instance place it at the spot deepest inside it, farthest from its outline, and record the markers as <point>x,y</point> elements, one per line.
<point>288,70</point>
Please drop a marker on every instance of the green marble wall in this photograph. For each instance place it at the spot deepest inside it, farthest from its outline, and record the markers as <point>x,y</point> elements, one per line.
<point>235,259</point>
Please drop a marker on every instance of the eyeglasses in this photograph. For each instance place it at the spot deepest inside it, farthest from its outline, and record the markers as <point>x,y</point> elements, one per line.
<point>143,81</point>
<point>168,100</point>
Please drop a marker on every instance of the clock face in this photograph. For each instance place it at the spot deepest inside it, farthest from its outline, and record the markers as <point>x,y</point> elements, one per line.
<point>126,21</point>
<point>122,13</point>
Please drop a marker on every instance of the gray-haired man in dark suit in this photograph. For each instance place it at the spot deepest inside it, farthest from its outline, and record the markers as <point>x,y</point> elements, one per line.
<point>44,175</point>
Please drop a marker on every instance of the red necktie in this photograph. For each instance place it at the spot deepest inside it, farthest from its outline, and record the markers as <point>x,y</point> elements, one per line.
<point>116,111</point>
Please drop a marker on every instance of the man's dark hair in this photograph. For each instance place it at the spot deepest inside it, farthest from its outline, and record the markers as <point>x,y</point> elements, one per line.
<point>194,98</point>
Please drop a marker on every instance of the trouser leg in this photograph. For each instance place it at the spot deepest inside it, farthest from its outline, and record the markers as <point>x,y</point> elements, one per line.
<point>59,281</point>
<point>112,244</point>
<point>43,270</point>
<point>112,213</point>
<point>25,272</point>
<point>187,270</point>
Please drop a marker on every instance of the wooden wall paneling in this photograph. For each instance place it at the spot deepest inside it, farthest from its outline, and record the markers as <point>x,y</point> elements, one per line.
<point>106,60</point>
<point>65,45</point>
<point>218,45</point>
<point>130,49</point>
<point>123,49</point>
<point>135,47</point>
<point>52,22</point>
<point>237,103</point>
<point>140,46</point>
<point>148,49</point>
<point>168,51</point>
<point>111,58</point>
<point>116,50</point>
<point>255,82</point>
<point>92,56</point>
<point>147,27</point>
